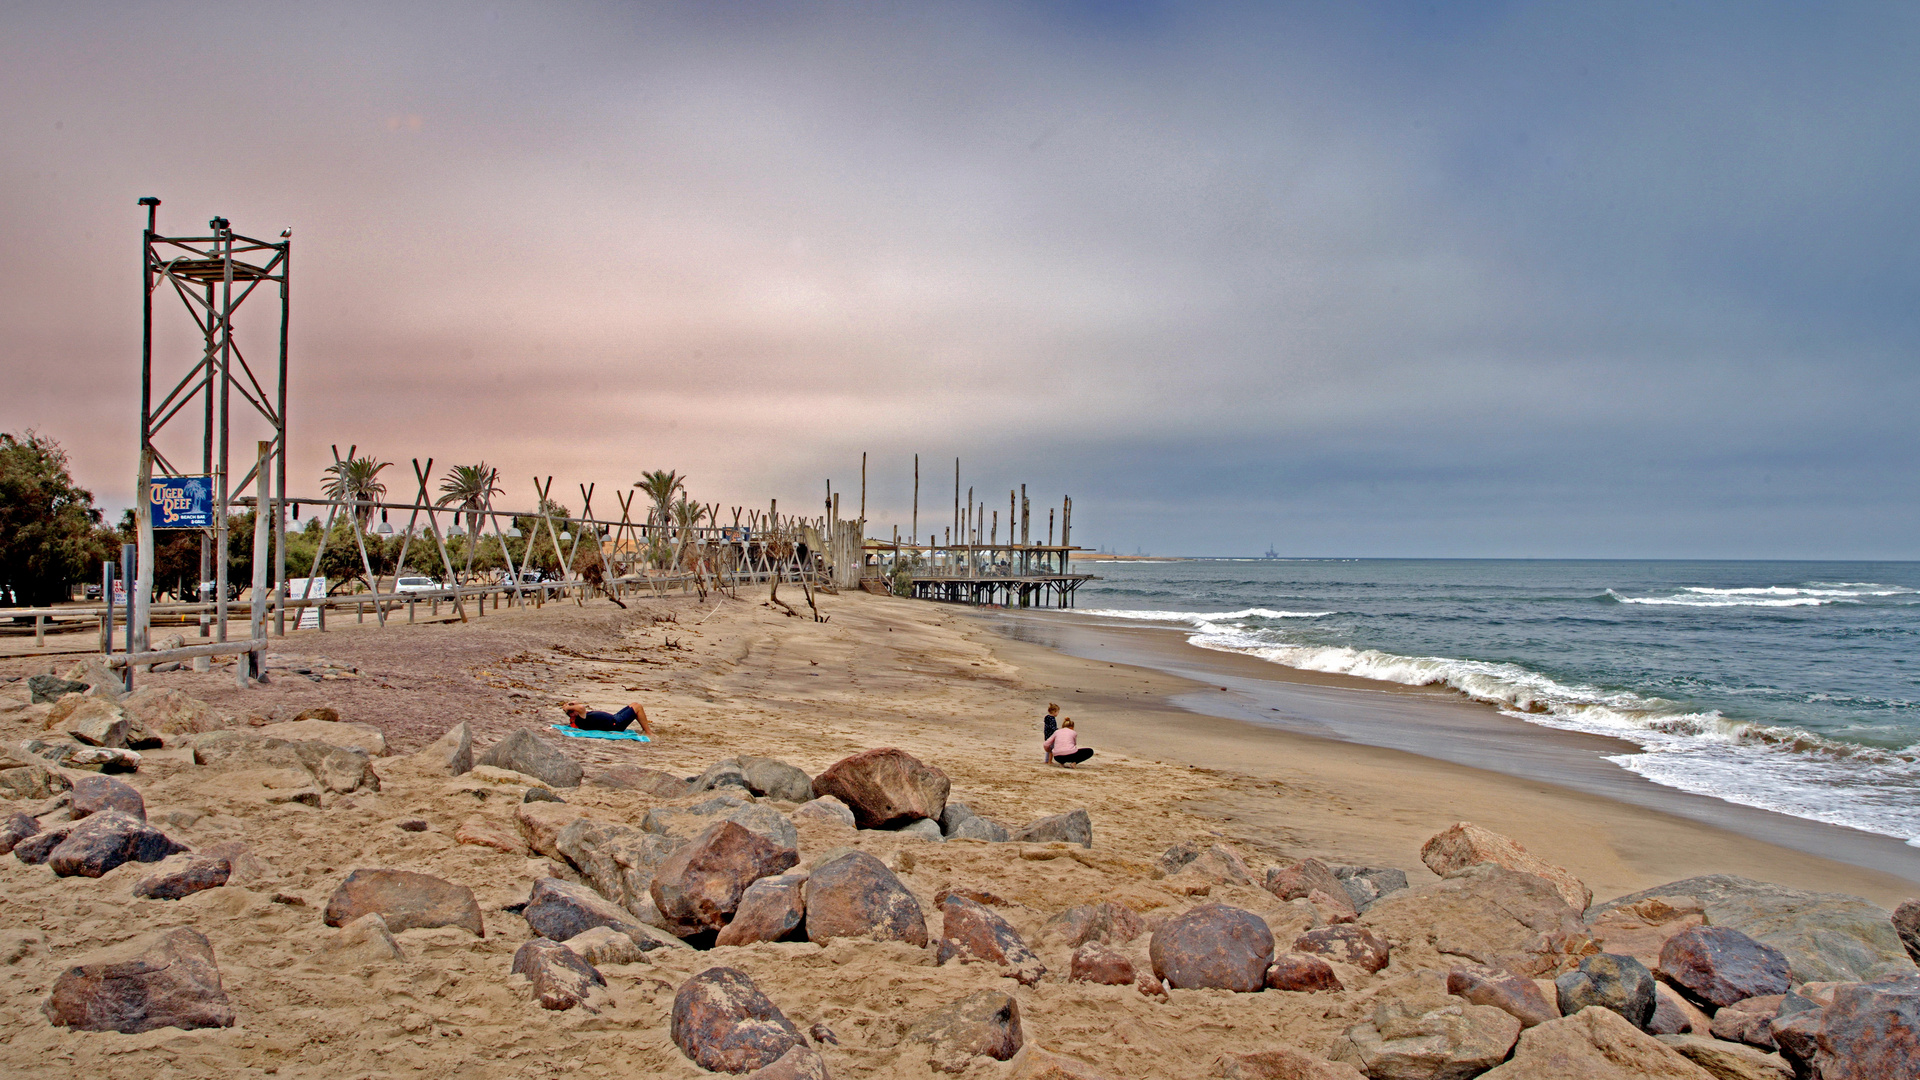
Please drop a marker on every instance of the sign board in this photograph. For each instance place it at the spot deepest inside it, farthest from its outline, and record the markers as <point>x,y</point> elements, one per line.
<point>307,589</point>
<point>181,502</point>
<point>735,534</point>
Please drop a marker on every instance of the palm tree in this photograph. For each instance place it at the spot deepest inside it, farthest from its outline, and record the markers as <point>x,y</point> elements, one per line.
<point>469,487</point>
<point>661,485</point>
<point>357,480</point>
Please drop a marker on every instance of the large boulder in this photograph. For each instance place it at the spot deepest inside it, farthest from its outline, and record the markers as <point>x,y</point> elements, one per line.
<point>853,894</point>
<point>167,979</point>
<point>1718,965</point>
<point>1347,943</point>
<point>1518,997</point>
<point>1097,963</point>
<point>1488,915</point>
<point>1295,880</point>
<point>1466,844</point>
<point>1365,884</point>
<point>698,887</point>
<point>530,755</point>
<point>972,931</point>
<point>687,822</point>
<point>1282,1063</point>
<point>1729,1061</point>
<point>772,909</point>
<point>452,753</point>
<point>1414,1032</point>
<point>1827,937</point>
<point>1106,922</point>
<point>1302,973</point>
<point>639,778</point>
<point>406,900</point>
<point>885,786</point>
<point>560,978</point>
<point>92,794</point>
<point>617,860</point>
<point>17,828</point>
<point>50,688</point>
<point>337,769</point>
<point>1072,827</point>
<point>560,911</point>
<point>170,712</point>
<point>1213,947</point>
<point>725,1024</point>
<point>985,1023</point>
<point>331,767</point>
<point>362,737</point>
<point>827,812</point>
<point>1748,1021</point>
<point>774,779</point>
<point>1870,1032</point>
<point>184,875</point>
<point>1610,981</point>
<point>541,823</point>
<point>105,840</point>
<point>93,721</point>
<point>1639,929</point>
<point>959,822</point>
<point>24,775</point>
<point>101,680</point>
<point>1594,1044</point>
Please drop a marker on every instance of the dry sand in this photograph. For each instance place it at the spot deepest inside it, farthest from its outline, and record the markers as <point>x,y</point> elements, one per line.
<point>738,677</point>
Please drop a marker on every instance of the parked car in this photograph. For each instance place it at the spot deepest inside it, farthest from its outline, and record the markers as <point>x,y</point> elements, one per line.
<point>417,584</point>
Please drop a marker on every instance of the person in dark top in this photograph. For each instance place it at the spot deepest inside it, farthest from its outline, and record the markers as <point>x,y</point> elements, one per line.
<point>1047,725</point>
<point>580,717</point>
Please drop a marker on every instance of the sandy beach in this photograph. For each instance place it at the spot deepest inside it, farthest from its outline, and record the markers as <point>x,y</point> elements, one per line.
<point>951,686</point>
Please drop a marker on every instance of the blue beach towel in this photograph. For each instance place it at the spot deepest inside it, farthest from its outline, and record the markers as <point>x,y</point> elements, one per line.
<point>581,733</point>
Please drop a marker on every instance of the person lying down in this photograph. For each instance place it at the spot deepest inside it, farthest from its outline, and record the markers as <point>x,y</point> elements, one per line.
<point>579,716</point>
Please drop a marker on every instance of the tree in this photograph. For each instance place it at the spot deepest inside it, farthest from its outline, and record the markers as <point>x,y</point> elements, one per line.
<point>468,487</point>
<point>357,479</point>
<point>50,533</point>
<point>660,486</point>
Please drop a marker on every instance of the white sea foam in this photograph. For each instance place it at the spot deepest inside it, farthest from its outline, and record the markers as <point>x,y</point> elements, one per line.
<point>1811,594</point>
<point>1776,768</point>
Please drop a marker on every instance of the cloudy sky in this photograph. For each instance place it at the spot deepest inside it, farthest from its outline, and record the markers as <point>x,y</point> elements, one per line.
<point>1350,279</point>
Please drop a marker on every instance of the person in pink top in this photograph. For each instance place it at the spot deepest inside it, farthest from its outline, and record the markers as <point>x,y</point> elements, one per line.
<point>1064,746</point>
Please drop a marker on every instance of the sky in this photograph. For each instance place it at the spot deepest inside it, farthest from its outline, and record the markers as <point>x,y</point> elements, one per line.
<point>1347,279</point>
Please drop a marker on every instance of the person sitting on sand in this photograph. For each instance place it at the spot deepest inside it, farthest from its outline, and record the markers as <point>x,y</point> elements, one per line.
<point>1063,746</point>
<point>1047,724</point>
<point>579,717</point>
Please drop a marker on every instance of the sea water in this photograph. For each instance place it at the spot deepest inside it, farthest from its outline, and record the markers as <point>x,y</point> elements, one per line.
<point>1788,686</point>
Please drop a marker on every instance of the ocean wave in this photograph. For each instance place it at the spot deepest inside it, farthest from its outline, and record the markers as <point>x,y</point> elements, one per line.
<point>1809,594</point>
<point>1202,618</point>
<point>1728,601</point>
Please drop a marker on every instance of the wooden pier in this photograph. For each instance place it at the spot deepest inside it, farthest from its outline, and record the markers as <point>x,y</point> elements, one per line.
<point>1009,575</point>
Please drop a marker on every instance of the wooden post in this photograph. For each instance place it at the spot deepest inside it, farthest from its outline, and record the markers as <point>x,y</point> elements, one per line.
<point>954,533</point>
<point>913,537</point>
<point>863,497</point>
<point>140,591</point>
<point>254,664</point>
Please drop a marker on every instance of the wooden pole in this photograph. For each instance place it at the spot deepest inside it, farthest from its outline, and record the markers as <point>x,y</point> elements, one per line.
<point>863,495</point>
<point>253,664</point>
<point>140,596</point>
<point>913,536</point>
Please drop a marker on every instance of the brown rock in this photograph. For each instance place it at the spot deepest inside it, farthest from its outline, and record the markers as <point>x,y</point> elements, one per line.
<point>164,980</point>
<point>105,840</point>
<point>1106,922</point>
<point>1302,973</point>
<point>17,828</point>
<point>970,931</point>
<point>92,794</point>
<point>1749,1021</point>
<point>22,779</point>
<point>724,1023</point>
<point>636,778</point>
<point>971,892</point>
<point>365,940</point>
<point>1497,917</point>
<point>1097,963</point>
<point>1295,881</point>
<point>528,754</point>
<point>885,787</point>
<point>1518,997</point>
<point>170,712</point>
<point>1467,844</point>
<point>1717,965</point>
<point>1870,1032</point>
<point>1332,907</point>
<point>362,737</point>
<point>1906,923</point>
<point>92,720</point>
<point>604,945</point>
<point>1594,1044</point>
<point>986,1022</point>
<point>1282,1063</point>
<point>560,911</point>
<point>1349,944</point>
<point>451,753</point>
<point>184,875</point>
<point>1221,865</point>
<point>1150,986</point>
<point>619,861</point>
<point>540,824</point>
<point>480,832</point>
<point>1072,827</point>
<point>1673,1014</point>
<point>560,978</point>
<point>1729,1061</point>
<point>772,909</point>
<point>1640,928</point>
<point>1406,1039</point>
<point>1214,947</point>
<point>698,887</point>
<point>406,901</point>
<point>854,895</point>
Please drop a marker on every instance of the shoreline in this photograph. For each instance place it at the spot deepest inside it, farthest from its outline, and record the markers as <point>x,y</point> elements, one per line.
<point>1399,744</point>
